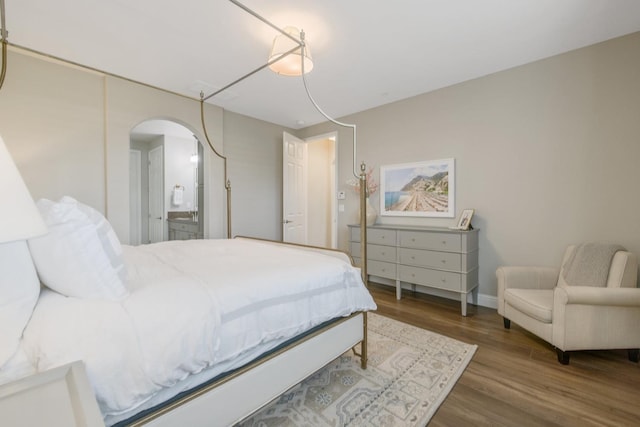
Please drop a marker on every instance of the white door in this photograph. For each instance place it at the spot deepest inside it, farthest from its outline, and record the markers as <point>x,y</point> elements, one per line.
<point>135,197</point>
<point>156,195</point>
<point>294,185</point>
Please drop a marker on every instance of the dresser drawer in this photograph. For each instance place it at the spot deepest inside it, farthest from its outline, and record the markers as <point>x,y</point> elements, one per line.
<point>434,240</point>
<point>428,277</point>
<point>184,227</point>
<point>379,268</point>
<point>382,269</point>
<point>376,236</point>
<point>433,259</point>
<point>381,236</point>
<point>375,252</point>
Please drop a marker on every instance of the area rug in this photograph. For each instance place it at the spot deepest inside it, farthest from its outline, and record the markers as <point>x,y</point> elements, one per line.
<point>409,374</point>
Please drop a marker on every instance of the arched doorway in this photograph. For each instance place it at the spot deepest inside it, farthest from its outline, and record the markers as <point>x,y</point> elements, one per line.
<point>166,185</point>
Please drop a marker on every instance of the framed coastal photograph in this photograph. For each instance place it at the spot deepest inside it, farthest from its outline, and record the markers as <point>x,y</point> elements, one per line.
<point>465,219</point>
<point>422,189</point>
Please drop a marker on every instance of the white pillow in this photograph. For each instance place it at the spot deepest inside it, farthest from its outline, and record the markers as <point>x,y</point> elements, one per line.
<point>19,291</point>
<point>81,255</point>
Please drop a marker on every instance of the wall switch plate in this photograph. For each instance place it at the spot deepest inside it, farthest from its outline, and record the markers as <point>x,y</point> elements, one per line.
<point>342,195</point>
<point>340,207</point>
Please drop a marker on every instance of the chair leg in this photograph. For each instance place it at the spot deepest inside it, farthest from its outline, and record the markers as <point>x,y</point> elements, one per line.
<point>563,356</point>
<point>634,355</point>
<point>507,323</point>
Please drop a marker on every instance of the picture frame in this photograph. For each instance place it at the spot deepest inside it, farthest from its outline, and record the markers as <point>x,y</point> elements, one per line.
<point>420,189</point>
<point>464,223</point>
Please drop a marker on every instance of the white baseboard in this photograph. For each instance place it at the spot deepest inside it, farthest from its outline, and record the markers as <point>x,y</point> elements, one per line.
<point>483,300</point>
<point>489,301</point>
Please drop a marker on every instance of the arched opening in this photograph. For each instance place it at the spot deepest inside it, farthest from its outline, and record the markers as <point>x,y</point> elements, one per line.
<point>166,186</point>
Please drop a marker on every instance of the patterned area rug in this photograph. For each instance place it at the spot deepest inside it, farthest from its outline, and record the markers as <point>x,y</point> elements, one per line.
<point>410,373</point>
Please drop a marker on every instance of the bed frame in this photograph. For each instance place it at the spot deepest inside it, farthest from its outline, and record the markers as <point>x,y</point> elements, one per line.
<point>64,397</point>
<point>245,391</point>
<point>239,394</point>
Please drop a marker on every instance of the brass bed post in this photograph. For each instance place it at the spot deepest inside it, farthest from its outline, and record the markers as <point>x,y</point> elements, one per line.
<point>363,253</point>
<point>3,39</point>
<point>361,176</point>
<point>227,182</point>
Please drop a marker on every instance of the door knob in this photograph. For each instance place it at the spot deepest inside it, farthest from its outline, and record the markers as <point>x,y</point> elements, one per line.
<point>286,221</point>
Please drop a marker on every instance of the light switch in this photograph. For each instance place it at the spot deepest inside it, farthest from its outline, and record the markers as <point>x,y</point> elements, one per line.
<point>341,207</point>
<point>342,195</point>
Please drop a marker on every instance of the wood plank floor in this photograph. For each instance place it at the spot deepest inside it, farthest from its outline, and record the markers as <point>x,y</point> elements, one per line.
<point>514,378</point>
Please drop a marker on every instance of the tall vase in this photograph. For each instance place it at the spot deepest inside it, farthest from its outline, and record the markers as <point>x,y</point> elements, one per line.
<point>371,214</point>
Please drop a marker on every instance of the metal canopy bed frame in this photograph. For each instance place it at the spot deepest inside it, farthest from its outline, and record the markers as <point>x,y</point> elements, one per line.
<point>235,395</point>
<point>294,361</point>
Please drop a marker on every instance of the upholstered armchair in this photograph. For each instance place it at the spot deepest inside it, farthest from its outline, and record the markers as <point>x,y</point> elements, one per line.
<point>575,313</point>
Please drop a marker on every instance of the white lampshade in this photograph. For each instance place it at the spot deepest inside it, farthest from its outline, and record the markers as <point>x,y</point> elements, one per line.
<point>19,216</point>
<point>290,65</point>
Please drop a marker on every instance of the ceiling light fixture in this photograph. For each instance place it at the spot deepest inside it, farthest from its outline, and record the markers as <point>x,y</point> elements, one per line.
<point>289,64</point>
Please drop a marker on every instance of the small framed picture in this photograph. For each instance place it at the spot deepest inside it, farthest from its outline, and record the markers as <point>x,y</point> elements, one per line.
<point>465,219</point>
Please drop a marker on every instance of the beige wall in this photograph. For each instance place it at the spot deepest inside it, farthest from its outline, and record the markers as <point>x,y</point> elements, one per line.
<point>547,153</point>
<point>52,120</point>
<point>68,131</point>
<point>254,148</point>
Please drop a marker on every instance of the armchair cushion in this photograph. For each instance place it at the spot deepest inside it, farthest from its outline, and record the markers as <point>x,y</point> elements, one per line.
<point>524,278</point>
<point>535,303</point>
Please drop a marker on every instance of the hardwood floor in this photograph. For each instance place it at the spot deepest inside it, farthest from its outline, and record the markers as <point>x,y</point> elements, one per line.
<point>514,378</point>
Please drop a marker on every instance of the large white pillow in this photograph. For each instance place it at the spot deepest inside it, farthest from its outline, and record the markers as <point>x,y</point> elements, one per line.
<point>19,291</point>
<point>81,255</point>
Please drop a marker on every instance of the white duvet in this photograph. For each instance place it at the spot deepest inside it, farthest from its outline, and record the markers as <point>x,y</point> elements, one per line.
<point>192,305</point>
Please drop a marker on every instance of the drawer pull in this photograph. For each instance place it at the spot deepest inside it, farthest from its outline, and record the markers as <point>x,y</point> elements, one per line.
<point>444,280</point>
<point>444,261</point>
<point>444,242</point>
<point>412,257</point>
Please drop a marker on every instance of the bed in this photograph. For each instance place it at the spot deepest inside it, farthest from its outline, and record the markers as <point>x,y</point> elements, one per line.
<point>200,332</point>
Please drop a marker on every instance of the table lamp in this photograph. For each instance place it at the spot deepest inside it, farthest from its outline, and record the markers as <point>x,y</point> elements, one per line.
<point>19,216</point>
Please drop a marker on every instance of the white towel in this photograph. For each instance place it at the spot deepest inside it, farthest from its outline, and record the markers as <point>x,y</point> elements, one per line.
<point>177,196</point>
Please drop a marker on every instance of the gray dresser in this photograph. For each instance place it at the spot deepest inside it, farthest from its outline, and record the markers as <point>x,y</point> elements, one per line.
<point>433,257</point>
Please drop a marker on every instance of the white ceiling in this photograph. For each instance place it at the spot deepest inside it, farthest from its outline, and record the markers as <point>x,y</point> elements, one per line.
<point>365,53</point>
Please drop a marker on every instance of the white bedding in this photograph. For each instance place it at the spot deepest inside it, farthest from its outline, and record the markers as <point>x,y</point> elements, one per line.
<point>192,305</point>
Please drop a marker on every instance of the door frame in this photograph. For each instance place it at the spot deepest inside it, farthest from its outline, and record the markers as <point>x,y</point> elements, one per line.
<point>135,196</point>
<point>302,217</point>
<point>160,191</point>
<point>331,201</point>
<point>333,196</point>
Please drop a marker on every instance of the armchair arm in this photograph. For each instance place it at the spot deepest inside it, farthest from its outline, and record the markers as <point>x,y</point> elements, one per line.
<point>588,295</point>
<point>586,317</point>
<point>524,278</point>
